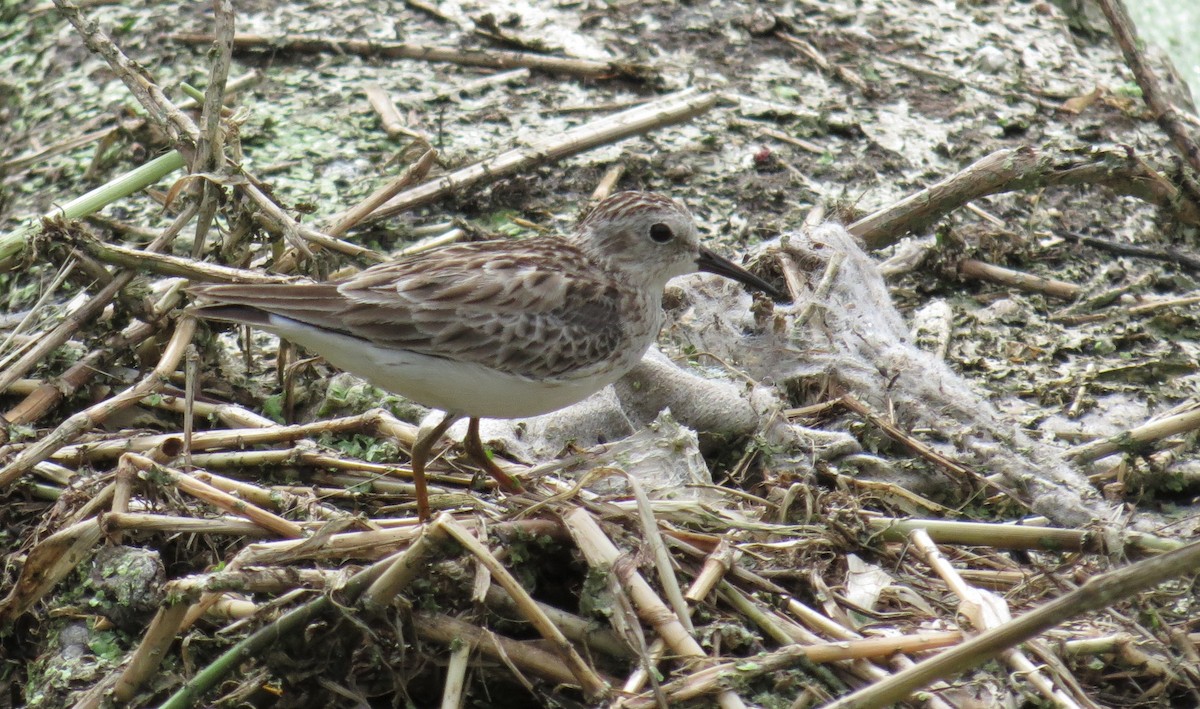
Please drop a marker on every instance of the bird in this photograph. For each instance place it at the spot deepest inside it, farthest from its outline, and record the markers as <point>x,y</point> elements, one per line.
<point>493,329</point>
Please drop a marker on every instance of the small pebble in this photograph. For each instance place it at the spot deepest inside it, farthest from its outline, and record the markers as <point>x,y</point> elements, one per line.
<point>990,59</point>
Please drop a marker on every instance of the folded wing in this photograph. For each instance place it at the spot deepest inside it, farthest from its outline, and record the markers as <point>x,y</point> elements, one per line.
<point>534,311</point>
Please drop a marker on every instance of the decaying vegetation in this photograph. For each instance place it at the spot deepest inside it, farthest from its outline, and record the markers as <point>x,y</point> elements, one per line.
<point>958,470</point>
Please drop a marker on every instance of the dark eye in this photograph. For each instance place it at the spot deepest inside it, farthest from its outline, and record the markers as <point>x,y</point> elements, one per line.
<point>661,233</point>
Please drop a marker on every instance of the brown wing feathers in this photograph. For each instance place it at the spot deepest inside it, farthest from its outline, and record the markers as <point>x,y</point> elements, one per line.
<point>251,304</point>
<point>457,303</point>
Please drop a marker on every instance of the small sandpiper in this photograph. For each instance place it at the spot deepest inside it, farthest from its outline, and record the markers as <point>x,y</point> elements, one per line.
<point>495,329</point>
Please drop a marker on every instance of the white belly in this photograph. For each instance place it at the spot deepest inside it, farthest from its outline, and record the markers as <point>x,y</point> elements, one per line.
<point>460,387</point>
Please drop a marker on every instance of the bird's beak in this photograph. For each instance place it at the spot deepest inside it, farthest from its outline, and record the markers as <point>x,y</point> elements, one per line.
<point>712,263</point>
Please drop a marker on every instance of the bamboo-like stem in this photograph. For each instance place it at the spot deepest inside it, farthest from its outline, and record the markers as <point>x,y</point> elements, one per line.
<point>293,620</point>
<point>407,565</point>
<point>1098,593</point>
<point>593,685</point>
<point>1137,438</point>
<point>217,498</point>
<point>713,678</point>
<point>48,563</point>
<point>96,304</point>
<point>113,523</point>
<point>450,631</point>
<point>148,656</point>
<point>601,553</point>
<point>94,415</point>
<point>494,58</point>
<point>665,111</point>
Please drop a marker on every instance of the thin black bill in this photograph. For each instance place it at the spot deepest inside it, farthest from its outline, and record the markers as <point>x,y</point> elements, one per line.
<point>712,263</point>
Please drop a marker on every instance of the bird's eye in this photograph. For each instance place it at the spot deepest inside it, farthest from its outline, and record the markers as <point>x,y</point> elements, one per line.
<point>661,233</point>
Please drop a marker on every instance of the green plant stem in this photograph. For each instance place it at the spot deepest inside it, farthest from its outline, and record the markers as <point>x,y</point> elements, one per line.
<point>14,243</point>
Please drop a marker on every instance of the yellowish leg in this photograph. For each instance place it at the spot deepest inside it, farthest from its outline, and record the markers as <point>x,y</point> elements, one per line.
<point>475,449</point>
<point>420,455</point>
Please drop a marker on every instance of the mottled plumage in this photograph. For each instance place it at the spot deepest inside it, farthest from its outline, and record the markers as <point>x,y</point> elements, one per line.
<point>495,329</point>
<point>536,308</point>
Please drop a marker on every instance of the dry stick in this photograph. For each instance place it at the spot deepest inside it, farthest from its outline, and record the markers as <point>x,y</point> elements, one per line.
<point>1012,536</point>
<point>16,164</point>
<point>795,632</point>
<point>593,685</point>
<point>972,268</point>
<point>711,679</point>
<point>178,126</point>
<point>1146,307</point>
<point>148,656</point>
<point>190,374</point>
<point>348,545</point>
<point>1157,305</point>
<point>496,59</point>
<point>582,631</point>
<point>456,676</point>
<point>273,498</point>
<point>607,183</point>
<point>445,630</point>
<point>94,415</point>
<point>652,536</point>
<point>273,580</point>
<point>716,566</point>
<point>341,223</point>
<point>806,145</point>
<point>375,420</point>
<point>897,434</point>
<point>48,394</point>
<point>1125,174</point>
<point>670,109</point>
<point>602,554</point>
<point>483,576</point>
<point>1164,112</point>
<point>1181,259</point>
<point>97,303</point>
<point>228,414</point>
<point>301,454</point>
<point>1097,594</point>
<point>298,234</point>
<point>820,294</point>
<point>169,265</point>
<point>407,566</point>
<point>1023,168</point>
<point>389,116</point>
<point>815,56</point>
<point>210,150</point>
<point>217,498</point>
<point>48,563</point>
<point>122,494</point>
<point>914,213</point>
<point>787,631</point>
<point>113,524</point>
<point>189,694</point>
<point>985,611</point>
<point>1137,439</point>
<point>94,507</point>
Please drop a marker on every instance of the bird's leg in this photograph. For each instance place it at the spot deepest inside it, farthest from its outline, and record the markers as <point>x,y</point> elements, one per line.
<point>474,448</point>
<point>420,454</point>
